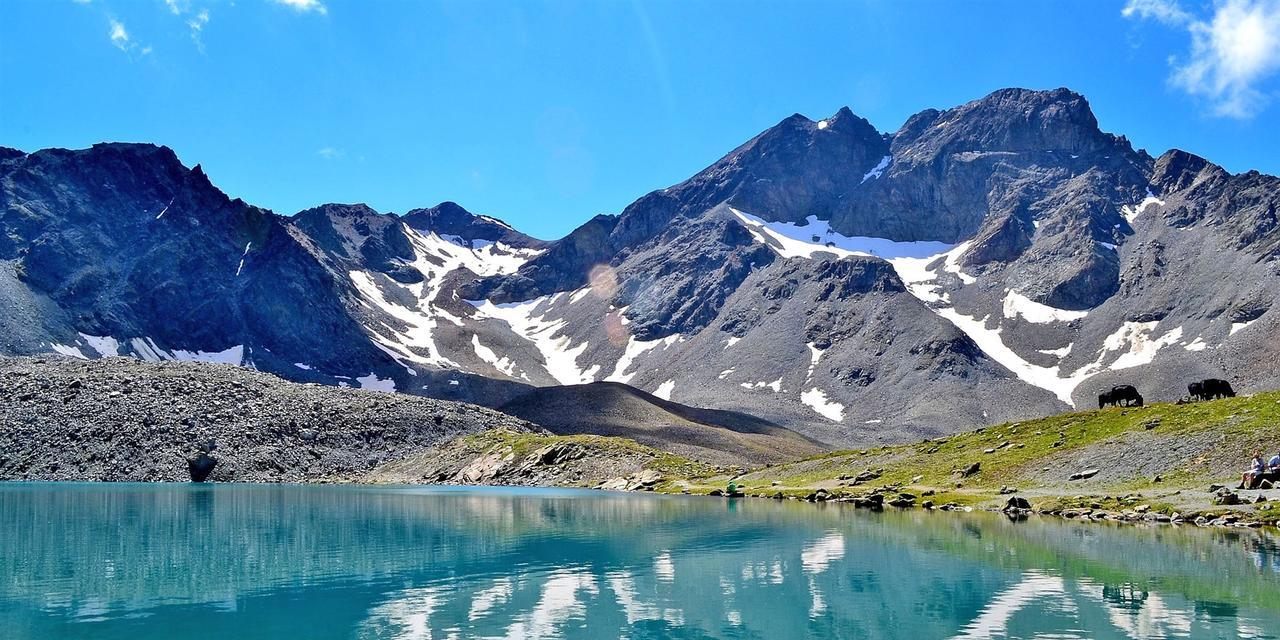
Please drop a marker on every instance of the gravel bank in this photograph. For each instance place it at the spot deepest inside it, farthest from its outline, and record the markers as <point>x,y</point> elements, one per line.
<point>118,419</point>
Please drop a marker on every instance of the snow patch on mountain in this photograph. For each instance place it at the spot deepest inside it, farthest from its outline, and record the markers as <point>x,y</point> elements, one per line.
<point>68,350</point>
<point>1016,304</point>
<point>1132,211</point>
<point>501,363</point>
<point>373,383</point>
<point>242,257</point>
<point>1139,348</point>
<point>232,356</point>
<point>632,351</point>
<point>104,345</point>
<point>816,236</point>
<point>815,354</point>
<point>817,400</point>
<point>1237,326</point>
<point>165,209</point>
<point>878,170</point>
<point>147,350</point>
<point>993,345</point>
<point>776,385</point>
<point>1059,353</point>
<point>664,390</point>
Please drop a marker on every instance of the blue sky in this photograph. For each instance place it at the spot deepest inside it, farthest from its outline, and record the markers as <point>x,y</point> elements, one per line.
<point>545,114</point>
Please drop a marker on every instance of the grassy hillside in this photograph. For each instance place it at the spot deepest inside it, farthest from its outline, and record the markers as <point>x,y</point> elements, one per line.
<point>1187,446</point>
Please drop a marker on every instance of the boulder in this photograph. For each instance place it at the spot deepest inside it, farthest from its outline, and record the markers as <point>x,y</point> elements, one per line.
<point>1227,498</point>
<point>647,478</point>
<point>971,470</point>
<point>871,501</point>
<point>201,466</point>
<point>1017,503</point>
<point>1084,475</point>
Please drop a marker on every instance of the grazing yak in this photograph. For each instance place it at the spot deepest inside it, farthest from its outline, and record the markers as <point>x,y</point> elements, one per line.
<point>1211,389</point>
<point>1124,395</point>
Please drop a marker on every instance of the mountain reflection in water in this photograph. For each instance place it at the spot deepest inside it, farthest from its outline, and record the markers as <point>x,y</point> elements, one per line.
<point>266,561</point>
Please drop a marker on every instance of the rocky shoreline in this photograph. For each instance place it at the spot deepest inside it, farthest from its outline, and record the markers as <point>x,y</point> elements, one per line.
<point>1128,509</point>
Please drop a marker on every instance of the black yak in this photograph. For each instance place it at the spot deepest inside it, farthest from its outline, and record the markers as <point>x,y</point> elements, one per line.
<point>1124,395</point>
<point>1211,389</point>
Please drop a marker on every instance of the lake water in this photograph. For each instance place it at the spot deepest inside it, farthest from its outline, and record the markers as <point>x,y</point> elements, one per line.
<point>265,561</point>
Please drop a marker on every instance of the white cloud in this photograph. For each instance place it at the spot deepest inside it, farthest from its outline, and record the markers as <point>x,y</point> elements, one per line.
<point>119,36</point>
<point>1162,10</point>
<point>1233,51</point>
<point>329,153</point>
<point>304,6</point>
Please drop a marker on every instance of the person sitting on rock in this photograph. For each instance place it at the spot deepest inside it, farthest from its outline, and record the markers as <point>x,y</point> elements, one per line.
<point>1256,469</point>
<point>1273,465</point>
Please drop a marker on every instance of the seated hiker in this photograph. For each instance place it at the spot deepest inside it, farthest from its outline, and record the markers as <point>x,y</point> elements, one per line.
<point>1273,465</point>
<point>1256,469</point>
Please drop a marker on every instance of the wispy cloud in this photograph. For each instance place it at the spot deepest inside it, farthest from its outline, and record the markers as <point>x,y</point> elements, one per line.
<point>196,23</point>
<point>1162,10</point>
<point>304,6</point>
<point>1233,51</point>
<point>329,153</point>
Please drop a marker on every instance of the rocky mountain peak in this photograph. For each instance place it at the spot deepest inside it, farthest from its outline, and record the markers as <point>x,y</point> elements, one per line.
<point>451,219</point>
<point>9,153</point>
<point>358,232</point>
<point>1176,170</point>
<point>1007,120</point>
<point>340,210</point>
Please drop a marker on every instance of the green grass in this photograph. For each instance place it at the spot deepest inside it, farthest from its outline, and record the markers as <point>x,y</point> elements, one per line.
<point>1011,453</point>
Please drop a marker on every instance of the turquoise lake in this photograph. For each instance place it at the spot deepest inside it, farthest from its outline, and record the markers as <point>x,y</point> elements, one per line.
<point>265,561</point>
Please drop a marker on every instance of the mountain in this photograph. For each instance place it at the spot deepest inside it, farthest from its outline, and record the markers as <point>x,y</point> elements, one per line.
<point>614,409</point>
<point>998,260</point>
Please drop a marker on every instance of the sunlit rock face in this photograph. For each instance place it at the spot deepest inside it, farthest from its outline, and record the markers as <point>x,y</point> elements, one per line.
<point>998,260</point>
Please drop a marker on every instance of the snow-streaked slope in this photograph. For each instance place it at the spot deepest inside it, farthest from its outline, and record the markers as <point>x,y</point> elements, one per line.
<point>528,319</point>
<point>921,265</point>
<point>632,351</point>
<point>816,236</point>
<point>436,258</point>
<point>1132,341</point>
